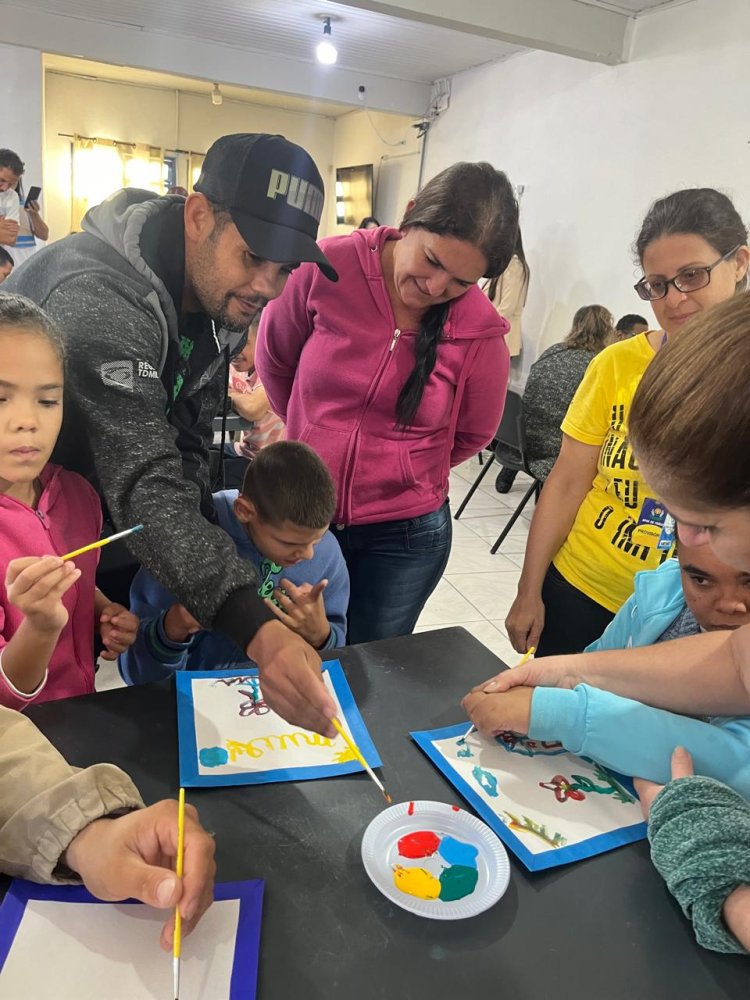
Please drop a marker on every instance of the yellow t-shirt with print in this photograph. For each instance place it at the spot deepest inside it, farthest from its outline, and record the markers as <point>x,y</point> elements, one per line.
<point>599,556</point>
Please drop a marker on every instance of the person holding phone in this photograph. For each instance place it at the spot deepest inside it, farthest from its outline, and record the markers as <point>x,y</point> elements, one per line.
<point>32,229</point>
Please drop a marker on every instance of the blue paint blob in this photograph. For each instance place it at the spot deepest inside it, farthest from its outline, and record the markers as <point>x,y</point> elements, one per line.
<point>486,781</point>
<point>213,756</point>
<point>456,852</point>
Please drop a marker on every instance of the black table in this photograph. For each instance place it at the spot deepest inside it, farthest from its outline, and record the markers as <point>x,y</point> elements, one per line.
<point>604,929</point>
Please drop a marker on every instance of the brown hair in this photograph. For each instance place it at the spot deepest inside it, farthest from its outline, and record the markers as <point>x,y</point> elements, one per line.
<point>472,202</point>
<point>287,481</point>
<point>690,418</point>
<point>593,328</point>
<point>702,212</point>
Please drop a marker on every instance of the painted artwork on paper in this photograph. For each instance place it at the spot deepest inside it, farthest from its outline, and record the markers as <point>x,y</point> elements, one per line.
<point>548,806</point>
<point>230,736</point>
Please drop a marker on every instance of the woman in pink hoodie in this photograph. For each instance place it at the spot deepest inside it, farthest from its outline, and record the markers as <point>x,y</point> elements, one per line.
<point>48,608</point>
<point>395,375</point>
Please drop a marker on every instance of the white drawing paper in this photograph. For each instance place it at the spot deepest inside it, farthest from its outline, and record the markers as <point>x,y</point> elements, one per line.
<point>93,951</point>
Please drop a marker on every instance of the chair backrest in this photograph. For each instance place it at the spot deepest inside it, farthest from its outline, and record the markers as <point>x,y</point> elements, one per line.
<point>508,431</point>
<point>511,434</point>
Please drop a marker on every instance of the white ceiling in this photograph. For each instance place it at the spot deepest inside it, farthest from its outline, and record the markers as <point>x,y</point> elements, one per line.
<point>373,43</point>
<point>633,7</point>
<point>392,49</point>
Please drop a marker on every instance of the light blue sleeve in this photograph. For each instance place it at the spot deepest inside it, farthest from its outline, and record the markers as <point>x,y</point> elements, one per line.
<point>152,657</point>
<point>638,740</point>
<point>617,634</point>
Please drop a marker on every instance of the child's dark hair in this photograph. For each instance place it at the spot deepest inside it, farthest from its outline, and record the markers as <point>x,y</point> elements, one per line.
<point>472,202</point>
<point>625,324</point>
<point>12,161</point>
<point>702,212</point>
<point>18,312</point>
<point>287,481</point>
<point>5,257</point>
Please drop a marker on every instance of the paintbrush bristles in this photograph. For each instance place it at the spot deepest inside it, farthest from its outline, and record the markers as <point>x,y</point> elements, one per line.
<point>176,977</point>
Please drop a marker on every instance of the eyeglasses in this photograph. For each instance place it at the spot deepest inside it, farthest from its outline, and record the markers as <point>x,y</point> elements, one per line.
<point>690,279</point>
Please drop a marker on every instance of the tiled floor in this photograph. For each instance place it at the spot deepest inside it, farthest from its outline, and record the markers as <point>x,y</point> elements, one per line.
<point>477,588</point>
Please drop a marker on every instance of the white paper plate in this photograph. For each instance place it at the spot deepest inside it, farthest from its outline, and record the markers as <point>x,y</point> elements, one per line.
<point>380,855</point>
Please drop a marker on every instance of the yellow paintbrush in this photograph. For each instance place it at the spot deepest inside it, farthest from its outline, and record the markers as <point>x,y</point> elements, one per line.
<point>102,542</point>
<point>526,656</point>
<point>177,939</point>
<point>357,753</point>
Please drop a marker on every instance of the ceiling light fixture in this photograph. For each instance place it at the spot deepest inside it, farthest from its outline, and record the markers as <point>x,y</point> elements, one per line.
<point>326,51</point>
<point>217,97</point>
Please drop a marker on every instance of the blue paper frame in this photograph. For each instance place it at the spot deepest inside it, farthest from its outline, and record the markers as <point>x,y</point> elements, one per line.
<point>244,980</point>
<point>190,777</point>
<point>542,860</point>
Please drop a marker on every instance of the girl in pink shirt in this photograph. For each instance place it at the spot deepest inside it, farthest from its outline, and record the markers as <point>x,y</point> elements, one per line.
<point>49,609</point>
<point>394,374</point>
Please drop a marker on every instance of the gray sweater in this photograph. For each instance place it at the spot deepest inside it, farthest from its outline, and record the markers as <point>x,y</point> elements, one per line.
<point>552,383</point>
<point>138,422</point>
<point>699,831</point>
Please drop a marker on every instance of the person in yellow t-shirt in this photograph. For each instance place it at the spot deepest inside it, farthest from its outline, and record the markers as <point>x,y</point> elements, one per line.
<point>597,522</point>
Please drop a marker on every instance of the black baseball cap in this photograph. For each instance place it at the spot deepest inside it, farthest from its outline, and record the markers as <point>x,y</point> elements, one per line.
<point>274,193</point>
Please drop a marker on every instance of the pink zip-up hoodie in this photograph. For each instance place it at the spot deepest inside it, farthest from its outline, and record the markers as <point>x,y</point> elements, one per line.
<point>68,517</point>
<point>333,364</point>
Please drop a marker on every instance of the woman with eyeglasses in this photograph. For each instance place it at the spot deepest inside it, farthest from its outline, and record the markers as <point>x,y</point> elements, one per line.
<point>597,522</point>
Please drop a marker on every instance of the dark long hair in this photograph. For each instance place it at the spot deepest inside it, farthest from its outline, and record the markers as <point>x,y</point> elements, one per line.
<point>472,202</point>
<point>702,212</point>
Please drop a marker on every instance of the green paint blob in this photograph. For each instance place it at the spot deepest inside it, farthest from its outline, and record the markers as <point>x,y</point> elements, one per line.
<point>456,882</point>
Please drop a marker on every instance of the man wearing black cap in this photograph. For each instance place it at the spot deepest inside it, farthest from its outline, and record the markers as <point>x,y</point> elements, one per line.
<point>152,297</point>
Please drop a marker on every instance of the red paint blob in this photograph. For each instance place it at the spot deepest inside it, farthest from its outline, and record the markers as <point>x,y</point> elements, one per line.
<point>410,810</point>
<point>421,844</point>
<point>455,809</point>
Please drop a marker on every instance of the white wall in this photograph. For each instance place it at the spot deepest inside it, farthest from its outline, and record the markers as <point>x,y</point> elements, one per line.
<point>22,107</point>
<point>160,118</point>
<point>594,145</point>
<point>390,144</point>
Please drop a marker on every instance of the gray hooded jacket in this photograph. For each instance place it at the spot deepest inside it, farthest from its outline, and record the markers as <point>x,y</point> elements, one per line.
<point>146,451</point>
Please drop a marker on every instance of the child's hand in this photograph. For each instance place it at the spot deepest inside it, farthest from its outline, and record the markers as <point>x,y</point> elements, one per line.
<point>118,628</point>
<point>682,767</point>
<point>36,585</point>
<point>493,714</point>
<point>179,624</point>
<point>302,610</point>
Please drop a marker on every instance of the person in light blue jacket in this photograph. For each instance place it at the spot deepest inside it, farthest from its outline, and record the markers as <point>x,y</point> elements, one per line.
<point>279,522</point>
<point>699,593</point>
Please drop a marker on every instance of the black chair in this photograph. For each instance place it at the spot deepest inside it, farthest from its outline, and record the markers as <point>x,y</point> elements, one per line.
<point>509,448</point>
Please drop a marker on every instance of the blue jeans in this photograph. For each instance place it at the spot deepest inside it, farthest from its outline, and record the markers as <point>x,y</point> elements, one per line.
<point>393,566</point>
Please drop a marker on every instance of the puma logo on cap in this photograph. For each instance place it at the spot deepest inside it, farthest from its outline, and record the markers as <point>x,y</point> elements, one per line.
<point>298,192</point>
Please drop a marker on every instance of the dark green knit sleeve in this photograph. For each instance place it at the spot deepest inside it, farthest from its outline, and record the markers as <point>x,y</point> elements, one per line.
<point>699,830</point>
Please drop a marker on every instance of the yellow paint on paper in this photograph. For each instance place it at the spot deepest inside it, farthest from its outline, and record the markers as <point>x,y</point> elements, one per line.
<point>283,741</point>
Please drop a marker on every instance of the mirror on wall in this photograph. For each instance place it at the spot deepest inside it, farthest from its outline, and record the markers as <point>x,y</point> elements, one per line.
<point>353,194</point>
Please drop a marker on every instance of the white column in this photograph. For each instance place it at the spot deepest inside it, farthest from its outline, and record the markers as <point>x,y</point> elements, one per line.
<point>22,116</point>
